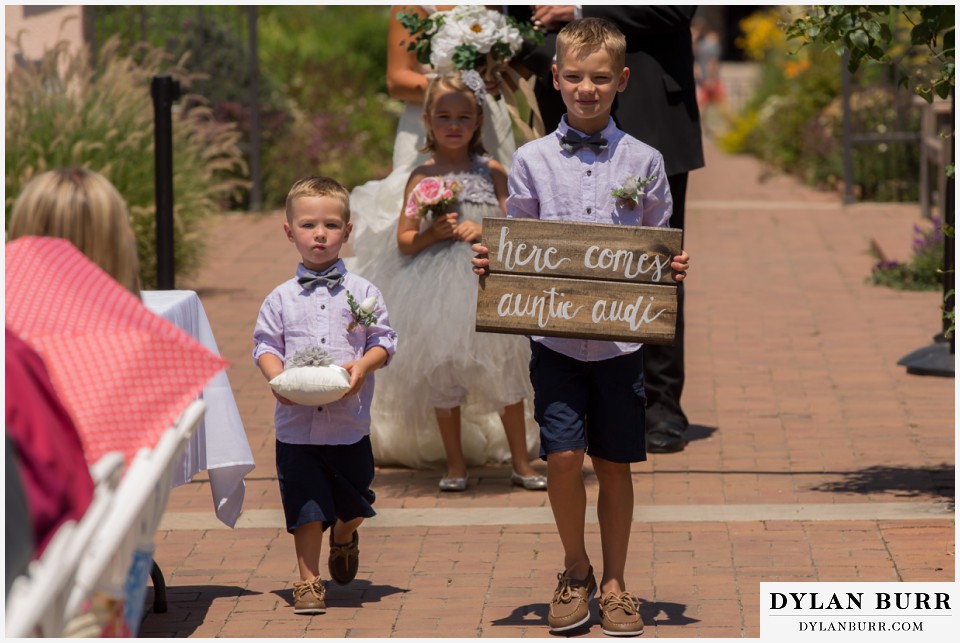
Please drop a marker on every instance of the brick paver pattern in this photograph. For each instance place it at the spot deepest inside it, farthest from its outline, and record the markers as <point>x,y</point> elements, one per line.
<point>813,456</point>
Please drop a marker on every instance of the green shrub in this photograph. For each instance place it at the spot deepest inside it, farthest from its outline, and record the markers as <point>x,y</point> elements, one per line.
<point>160,26</point>
<point>315,52</point>
<point>323,97</point>
<point>883,170</point>
<point>63,112</point>
<point>924,270</point>
<point>790,96</point>
<point>221,54</point>
<point>793,120</point>
<point>331,62</point>
<point>335,142</point>
<point>215,42</point>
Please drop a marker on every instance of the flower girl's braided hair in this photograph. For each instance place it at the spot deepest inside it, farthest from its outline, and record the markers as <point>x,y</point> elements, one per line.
<point>465,83</point>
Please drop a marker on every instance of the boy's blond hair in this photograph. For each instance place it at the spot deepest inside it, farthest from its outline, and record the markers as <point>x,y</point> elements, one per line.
<point>319,186</point>
<point>84,208</point>
<point>587,35</point>
<point>453,82</point>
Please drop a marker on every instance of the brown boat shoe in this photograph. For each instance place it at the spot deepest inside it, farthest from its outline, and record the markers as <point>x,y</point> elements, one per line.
<point>620,614</point>
<point>308,597</point>
<point>570,607</point>
<point>344,560</point>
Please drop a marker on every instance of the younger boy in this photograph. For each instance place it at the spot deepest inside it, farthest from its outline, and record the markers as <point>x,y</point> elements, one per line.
<point>588,394</point>
<point>324,459</point>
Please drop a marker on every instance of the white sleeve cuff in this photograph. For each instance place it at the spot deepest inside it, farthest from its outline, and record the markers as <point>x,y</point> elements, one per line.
<point>577,11</point>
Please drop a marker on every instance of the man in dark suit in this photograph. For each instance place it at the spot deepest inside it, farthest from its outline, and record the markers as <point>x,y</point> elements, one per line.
<point>659,107</point>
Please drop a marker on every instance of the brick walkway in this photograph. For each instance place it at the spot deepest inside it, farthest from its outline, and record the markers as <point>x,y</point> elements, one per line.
<point>813,455</point>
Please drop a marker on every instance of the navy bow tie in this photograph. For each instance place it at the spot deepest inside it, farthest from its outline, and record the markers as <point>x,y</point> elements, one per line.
<point>331,279</point>
<point>572,142</point>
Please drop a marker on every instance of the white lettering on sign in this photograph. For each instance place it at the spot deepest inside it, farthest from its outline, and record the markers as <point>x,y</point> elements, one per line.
<point>540,257</point>
<point>622,261</point>
<point>542,308</point>
<point>619,311</point>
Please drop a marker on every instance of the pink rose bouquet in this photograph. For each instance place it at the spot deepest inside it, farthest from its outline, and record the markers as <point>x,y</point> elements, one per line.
<point>432,196</point>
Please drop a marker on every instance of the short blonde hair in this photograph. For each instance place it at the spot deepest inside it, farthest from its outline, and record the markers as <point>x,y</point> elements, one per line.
<point>452,81</point>
<point>83,207</point>
<point>318,186</point>
<point>587,35</point>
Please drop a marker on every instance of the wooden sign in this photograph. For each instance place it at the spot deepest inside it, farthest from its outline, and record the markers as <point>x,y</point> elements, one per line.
<point>579,280</point>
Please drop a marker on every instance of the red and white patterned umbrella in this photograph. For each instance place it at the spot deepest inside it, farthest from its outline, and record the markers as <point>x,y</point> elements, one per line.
<point>123,373</point>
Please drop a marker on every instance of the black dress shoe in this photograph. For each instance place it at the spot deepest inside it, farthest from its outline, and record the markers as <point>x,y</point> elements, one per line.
<point>665,437</point>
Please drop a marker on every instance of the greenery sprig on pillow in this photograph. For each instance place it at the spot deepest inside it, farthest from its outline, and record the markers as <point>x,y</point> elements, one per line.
<point>310,356</point>
<point>311,378</point>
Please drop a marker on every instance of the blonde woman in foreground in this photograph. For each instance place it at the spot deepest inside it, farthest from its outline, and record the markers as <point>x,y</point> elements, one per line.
<point>84,208</point>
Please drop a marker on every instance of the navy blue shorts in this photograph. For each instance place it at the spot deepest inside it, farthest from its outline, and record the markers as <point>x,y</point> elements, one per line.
<point>596,406</point>
<point>323,482</point>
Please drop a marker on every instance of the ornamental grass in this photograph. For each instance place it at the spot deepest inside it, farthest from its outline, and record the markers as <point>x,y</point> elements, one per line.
<point>62,111</point>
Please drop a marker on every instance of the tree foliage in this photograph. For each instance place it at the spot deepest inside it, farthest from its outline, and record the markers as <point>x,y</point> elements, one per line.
<point>868,33</point>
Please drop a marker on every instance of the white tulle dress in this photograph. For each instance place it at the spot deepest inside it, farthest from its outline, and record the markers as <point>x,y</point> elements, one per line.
<point>441,360</point>
<point>376,204</point>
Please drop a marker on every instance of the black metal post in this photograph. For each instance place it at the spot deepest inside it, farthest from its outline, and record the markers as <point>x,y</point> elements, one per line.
<point>256,188</point>
<point>949,242</point>
<point>89,19</point>
<point>159,589</point>
<point>847,129</point>
<point>164,90</point>
<point>938,358</point>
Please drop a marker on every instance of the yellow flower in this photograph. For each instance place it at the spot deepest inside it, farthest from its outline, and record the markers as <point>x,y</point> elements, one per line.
<point>794,68</point>
<point>761,34</point>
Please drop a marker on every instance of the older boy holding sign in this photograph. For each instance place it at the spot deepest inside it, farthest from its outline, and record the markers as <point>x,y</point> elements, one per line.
<point>589,393</point>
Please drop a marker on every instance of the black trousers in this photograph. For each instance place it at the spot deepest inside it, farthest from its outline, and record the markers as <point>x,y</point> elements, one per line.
<point>663,367</point>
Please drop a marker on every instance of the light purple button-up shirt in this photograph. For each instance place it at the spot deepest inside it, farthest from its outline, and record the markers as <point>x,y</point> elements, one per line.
<point>292,318</point>
<point>549,183</point>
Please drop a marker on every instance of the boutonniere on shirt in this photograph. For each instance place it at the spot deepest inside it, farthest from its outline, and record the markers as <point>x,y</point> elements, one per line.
<point>631,191</point>
<point>362,312</point>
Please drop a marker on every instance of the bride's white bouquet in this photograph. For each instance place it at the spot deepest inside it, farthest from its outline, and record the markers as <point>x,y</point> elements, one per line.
<point>466,37</point>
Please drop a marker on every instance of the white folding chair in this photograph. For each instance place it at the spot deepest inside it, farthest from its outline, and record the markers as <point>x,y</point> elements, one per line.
<point>134,516</point>
<point>38,602</point>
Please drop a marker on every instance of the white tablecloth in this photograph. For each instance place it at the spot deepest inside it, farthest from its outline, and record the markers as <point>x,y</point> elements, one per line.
<point>220,444</point>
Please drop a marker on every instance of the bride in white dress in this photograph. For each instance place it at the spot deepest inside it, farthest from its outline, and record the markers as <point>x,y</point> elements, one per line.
<point>375,208</point>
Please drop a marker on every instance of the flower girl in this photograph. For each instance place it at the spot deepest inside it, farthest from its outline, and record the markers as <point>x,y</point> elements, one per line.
<point>445,372</point>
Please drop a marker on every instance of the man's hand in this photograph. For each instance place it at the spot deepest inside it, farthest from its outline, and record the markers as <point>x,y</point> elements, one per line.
<point>552,17</point>
<point>480,263</point>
